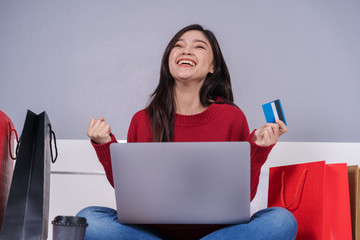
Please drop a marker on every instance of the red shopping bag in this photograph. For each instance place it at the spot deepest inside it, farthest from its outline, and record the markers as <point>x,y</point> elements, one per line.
<point>318,196</point>
<point>7,130</point>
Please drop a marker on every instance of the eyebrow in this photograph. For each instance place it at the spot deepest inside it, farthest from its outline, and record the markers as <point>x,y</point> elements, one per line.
<point>196,40</point>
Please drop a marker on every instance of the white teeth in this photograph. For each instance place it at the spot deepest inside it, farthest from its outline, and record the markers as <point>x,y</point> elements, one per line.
<point>186,62</point>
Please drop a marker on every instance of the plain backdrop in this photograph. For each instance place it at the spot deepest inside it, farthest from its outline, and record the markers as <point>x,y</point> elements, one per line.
<point>90,58</point>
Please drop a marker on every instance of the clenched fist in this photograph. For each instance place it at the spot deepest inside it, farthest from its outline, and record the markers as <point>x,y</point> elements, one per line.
<point>99,131</point>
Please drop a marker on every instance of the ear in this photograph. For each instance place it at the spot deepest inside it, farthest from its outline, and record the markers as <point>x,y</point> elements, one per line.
<point>211,68</point>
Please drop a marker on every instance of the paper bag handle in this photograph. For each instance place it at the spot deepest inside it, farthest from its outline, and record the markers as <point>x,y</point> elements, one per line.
<point>17,140</point>
<point>52,135</point>
<point>299,188</point>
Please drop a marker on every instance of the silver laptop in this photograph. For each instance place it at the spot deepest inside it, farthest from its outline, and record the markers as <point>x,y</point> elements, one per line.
<point>182,182</point>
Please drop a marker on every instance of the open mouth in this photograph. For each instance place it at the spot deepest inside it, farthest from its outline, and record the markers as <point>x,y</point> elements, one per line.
<point>186,62</point>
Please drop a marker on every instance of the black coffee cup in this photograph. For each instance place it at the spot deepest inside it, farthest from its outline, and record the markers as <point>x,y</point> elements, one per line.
<point>69,228</point>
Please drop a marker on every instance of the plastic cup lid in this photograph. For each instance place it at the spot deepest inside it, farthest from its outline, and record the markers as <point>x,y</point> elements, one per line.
<point>70,221</point>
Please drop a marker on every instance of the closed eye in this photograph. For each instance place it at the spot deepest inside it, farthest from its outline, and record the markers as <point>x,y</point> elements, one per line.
<point>178,44</point>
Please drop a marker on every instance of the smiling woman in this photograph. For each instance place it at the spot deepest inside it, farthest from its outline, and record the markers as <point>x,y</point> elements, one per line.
<point>193,102</point>
<point>207,80</point>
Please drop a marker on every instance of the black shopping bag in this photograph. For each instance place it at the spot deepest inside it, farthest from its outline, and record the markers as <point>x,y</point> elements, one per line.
<point>27,210</point>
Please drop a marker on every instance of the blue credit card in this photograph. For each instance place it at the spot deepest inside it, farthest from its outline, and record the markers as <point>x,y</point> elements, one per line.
<point>273,110</point>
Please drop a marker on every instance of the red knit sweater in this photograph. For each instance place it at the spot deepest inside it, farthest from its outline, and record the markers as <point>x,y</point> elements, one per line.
<point>219,122</point>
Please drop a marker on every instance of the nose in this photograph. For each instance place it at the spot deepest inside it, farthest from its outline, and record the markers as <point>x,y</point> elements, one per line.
<point>187,51</point>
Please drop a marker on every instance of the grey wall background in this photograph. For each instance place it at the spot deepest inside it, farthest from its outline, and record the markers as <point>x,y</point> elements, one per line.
<point>84,59</point>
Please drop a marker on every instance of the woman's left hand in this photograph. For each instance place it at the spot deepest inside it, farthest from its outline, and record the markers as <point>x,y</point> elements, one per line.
<point>269,134</point>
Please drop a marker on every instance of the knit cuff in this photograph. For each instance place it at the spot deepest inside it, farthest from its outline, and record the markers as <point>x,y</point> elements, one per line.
<point>103,154</point>
<point>103,150</point>
<point>259,153</point>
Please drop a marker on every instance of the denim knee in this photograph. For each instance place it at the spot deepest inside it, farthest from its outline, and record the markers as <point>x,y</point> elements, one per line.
<point>95,212</point>
<point>285,220</point>
<point>86,212</point>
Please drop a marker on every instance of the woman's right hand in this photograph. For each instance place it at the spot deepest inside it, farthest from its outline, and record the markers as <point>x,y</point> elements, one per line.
<point>99,131</point>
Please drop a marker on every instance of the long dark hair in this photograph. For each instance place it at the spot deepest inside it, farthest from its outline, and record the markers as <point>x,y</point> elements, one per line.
<point>161,107</point>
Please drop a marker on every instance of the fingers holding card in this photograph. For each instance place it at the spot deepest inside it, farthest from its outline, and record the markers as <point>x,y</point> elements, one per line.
<point>276,124</point>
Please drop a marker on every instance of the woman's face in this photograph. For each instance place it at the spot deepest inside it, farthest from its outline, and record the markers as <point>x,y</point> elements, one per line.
<point>191,58</point>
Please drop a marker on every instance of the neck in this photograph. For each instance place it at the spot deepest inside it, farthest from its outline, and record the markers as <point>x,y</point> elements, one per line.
<point>187,99</point>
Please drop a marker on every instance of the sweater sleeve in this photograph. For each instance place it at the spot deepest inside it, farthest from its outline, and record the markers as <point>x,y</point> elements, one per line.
<point>103,154</point>
<point>139,131</point>
<point>259,155</point>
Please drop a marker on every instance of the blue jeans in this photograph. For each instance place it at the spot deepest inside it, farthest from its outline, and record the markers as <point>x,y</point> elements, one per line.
<point>271,223</point>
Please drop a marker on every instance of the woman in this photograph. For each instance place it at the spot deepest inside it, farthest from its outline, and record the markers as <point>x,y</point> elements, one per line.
<point>192,102</point>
